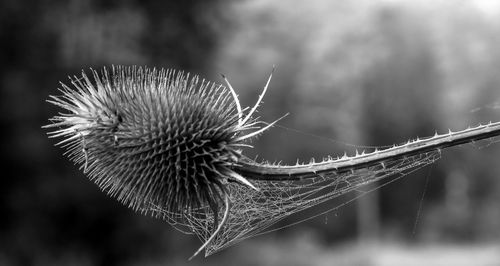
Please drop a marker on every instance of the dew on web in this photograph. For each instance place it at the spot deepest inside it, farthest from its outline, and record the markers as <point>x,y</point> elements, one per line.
<point>255,212</point>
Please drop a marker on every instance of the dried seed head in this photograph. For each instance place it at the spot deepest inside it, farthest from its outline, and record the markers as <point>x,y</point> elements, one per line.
<point>154,138</point>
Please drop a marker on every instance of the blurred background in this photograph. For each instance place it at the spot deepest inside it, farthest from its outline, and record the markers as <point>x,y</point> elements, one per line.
<point>349,72</point>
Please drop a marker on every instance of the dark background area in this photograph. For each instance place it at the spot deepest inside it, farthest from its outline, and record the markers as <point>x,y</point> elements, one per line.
<point>366,74</point>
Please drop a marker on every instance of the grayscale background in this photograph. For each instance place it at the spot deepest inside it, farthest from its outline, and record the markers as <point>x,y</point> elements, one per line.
<point>358,72</point>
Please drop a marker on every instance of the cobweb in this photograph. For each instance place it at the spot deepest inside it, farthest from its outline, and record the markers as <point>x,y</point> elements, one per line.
<point>255,212</point>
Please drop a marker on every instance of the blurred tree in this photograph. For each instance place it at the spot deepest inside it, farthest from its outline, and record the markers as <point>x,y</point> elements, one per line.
<point>370,73</point>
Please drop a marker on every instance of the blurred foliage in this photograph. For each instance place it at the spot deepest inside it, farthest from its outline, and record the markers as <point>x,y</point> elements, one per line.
<point>360,72</point>
<point>51,214</point>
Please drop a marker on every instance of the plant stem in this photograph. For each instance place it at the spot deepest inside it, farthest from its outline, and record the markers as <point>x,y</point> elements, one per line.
<point>268,172</point>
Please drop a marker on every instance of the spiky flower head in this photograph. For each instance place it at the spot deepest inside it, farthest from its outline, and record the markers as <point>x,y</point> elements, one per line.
<point>154,138</point>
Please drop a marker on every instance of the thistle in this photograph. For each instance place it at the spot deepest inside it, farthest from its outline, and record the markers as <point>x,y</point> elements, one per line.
<point>168,144</point>
<point>155,137</point>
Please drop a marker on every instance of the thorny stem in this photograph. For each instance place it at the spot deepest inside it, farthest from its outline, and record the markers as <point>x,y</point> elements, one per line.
<point>256,171</point>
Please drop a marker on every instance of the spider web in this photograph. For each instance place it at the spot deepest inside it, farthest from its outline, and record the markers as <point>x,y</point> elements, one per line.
<point>253,212</point>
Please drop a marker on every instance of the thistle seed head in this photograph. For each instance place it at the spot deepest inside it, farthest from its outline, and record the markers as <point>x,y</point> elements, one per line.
<point>153,138</point>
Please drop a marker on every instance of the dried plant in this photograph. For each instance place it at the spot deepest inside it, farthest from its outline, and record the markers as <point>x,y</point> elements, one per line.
<point>170,145</point>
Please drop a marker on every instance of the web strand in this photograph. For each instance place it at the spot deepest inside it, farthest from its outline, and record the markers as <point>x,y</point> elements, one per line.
<point>256,212</point>
<point>280,194</point>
